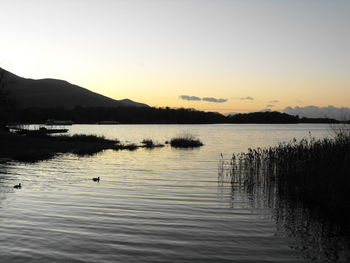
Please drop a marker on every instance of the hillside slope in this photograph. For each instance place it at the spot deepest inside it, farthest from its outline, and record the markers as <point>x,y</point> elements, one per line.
<point>52,93</point>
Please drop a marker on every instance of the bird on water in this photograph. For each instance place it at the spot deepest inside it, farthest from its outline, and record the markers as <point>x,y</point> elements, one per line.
<point>96,179</point>
<point>18,186</point>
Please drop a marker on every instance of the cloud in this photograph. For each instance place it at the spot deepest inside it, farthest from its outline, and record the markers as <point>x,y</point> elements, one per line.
<point>319,112</point>
<point>185,97</point>
<point>247,98</point>
<point>270,106</point>
<point>211,99</point>
<point>195,98</point>
<point>273,101</point>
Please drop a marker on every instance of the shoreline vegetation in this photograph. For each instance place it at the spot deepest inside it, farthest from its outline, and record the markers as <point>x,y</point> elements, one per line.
<point>32,148</point>
<point>314,173</point>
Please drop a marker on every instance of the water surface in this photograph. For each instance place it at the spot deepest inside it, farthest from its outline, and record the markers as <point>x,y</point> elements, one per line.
<point>160,205</point>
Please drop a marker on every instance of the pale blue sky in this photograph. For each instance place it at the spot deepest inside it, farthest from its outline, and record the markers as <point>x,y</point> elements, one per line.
<point>296,52</point>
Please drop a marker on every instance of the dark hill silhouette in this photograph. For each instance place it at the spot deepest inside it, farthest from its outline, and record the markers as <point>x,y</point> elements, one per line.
<point>52,93</point>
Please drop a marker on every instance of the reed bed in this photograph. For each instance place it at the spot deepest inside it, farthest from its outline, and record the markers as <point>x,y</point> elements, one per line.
<point>313,171</point>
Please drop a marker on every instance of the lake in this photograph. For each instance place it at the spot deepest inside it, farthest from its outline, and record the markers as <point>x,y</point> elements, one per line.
<point>159,205</point>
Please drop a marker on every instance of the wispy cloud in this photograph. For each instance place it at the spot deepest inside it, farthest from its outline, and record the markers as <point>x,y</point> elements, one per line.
<point>185,97</point>
<point>270,106</point>
<point>247,98</point>
<point>209,99</point>
<point>273,101</point>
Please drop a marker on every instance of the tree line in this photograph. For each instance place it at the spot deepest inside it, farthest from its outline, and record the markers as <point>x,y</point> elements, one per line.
<point>151,115</point>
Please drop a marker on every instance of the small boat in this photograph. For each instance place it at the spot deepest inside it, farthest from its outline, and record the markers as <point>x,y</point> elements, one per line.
<point>97,179</point>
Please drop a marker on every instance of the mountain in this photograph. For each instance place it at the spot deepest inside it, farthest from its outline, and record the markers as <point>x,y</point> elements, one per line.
<point>52,93</point>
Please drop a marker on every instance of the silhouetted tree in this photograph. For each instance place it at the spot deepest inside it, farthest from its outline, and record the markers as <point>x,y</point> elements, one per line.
<point>7,104</point>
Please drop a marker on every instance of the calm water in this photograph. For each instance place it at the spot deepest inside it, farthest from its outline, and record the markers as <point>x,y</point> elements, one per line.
<point>161,205</point>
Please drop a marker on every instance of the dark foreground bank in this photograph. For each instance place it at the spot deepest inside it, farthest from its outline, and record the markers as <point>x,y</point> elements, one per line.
<point>35,148</point>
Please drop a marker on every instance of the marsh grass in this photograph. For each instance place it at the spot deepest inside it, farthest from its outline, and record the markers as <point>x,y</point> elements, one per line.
<point>130,147</point>
<point>185,141</point>
<point>150,144</point>
<point>315,172</point>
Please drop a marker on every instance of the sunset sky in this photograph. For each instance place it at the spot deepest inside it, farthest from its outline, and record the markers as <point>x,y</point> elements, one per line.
<point>218,55</point>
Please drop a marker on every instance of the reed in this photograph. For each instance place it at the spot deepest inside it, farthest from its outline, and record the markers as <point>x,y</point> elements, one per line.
<point>185,141</point>
<point>313,171</point>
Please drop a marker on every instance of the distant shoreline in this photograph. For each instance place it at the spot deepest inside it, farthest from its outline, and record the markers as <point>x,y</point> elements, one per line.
<point>133,115</point>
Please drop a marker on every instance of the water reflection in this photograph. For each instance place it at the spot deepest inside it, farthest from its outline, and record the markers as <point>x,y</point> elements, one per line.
<point>3,186</point>
<point>150,206</point>
<point>314,237</point>
<point>317,239</point>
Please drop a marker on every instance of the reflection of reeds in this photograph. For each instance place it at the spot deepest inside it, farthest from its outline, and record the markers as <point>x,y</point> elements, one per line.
<point>315,172</point>
<point>316,238</point>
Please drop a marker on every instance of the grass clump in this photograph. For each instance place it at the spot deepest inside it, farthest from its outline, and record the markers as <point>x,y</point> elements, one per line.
<point>130,147</point>
<point>185,141</point>
<point>150,144</point>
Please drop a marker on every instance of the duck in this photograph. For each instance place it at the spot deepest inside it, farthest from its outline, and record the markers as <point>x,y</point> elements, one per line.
<point>18,186</point>
<point>96,179</point>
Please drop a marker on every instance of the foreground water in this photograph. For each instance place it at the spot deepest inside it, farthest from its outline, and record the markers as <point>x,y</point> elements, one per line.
<point>161,205</point>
